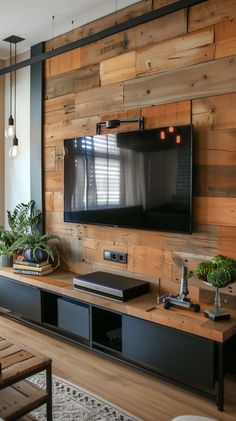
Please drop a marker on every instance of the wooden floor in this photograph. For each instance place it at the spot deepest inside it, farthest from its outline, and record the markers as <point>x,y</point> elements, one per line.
<point>143,395</point>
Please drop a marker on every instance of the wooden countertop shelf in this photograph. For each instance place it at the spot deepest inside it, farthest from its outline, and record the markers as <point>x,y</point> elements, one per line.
<point>143,307</point>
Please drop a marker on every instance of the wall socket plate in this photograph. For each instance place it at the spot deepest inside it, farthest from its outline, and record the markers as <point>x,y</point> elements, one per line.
<point>115,256</point>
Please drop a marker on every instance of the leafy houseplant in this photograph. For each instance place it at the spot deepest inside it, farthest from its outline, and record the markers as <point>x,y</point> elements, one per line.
<point>6,240</point>
<point>219,272</point>
<point>35,246</point>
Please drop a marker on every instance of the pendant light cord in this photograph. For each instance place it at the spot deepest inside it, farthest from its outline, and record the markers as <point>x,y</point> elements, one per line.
<point>10,83</point>
<point>15,93</point>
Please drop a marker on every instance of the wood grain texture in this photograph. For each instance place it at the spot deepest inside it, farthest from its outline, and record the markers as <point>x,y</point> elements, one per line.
<point>227,241</point>
<point>215,211</point>
<point>63,63</point>
<point>210,12</point>
<point>157,30</point>
<point>202,80</point>
<point>73,81</point>
<point>157,4</point>
<point>104,99</point>
<point>215,180</point>
<point>215,147</point>
<point>225,38</point>
<point>118,69</point>
<point>59,109</point>
<point>178,113</point>
<point>53,181</point>
<point>178,52</point>
<point>215,113</point>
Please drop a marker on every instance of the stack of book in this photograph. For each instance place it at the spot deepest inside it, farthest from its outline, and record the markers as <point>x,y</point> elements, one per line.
<point>32,268</point>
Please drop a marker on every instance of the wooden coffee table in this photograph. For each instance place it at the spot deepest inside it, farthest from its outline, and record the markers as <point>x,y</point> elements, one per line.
<point>18,396</point>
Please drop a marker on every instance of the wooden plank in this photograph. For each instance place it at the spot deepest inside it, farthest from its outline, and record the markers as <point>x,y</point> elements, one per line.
<point>203,241</point>
<point>48,201</point>
<point>74,81</point>
<point>157,4</point>
<point>178,52</point>
<point>55,133</point>
<point>54,222</point>
<point>50,159</point>
<point>227,241</point>
<point>103,49</point>
<point>149,261</point>
<point>215,181</point>
<point>63,63</point>
<point>201,80</point>
<point>64,39</point>
<point>215,113</point>
<point>157,30</point>
<point>93,252</point>
<point>215,147</point>
<point>209,13</point>
<point>118,69</point>
<point>123,115</point>
<point>59,109</point>
<point>58,201</point>
<point>225,38</point>
<point>15,359</point>
<point>13,349</point>
<point>104,99</point>
<point>177,113</point>
<point>215,211</point>
<point>53,181</point>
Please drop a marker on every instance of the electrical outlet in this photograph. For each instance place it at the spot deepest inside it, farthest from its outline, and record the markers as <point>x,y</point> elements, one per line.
<point>115,256</point>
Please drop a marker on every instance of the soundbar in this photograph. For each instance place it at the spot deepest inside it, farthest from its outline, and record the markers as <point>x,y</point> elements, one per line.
<point>114,286</point>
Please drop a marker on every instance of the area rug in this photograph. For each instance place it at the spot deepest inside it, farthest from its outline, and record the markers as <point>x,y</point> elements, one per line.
<point>73,403</point>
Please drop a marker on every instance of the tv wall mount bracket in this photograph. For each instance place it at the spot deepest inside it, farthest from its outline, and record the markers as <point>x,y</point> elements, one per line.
<point>112,124</point>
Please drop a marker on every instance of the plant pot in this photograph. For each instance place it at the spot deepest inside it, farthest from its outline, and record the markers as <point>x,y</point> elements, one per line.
<point>5,261</point>
<point>40,255</point>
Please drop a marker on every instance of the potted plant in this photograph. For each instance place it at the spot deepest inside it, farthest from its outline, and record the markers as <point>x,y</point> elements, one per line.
<point>219,272</point>
<point>35,246</point>
<point>7,238</point>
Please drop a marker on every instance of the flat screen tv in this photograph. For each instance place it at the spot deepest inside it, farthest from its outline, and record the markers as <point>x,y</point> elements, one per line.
<point>136,179</point>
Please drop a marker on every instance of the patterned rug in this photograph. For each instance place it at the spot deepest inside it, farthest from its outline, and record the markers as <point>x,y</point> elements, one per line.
<point>72,403</point>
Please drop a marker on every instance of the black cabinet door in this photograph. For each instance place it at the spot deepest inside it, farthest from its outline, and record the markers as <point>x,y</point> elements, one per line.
<point>73,317</point>
<point>178,355</point>
<point>21,299</point>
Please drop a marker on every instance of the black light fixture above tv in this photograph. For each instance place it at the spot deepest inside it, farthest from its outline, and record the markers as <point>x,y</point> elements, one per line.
<point>112,124</point>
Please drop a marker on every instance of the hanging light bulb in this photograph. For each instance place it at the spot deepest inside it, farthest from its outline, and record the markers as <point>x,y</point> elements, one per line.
<point>10,128</point>
<point>14,149</point>
<point>162,134</point>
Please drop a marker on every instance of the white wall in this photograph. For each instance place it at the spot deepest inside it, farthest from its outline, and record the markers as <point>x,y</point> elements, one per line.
<point>2,88</point>
<point>17,171</point>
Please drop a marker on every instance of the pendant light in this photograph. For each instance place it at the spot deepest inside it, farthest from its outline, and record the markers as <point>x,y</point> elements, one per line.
<point>11,129</point>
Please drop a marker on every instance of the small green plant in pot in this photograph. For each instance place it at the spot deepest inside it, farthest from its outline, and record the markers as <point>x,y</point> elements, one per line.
<point>7,238</point>
<point>219,272</point>
<point>35,246</point>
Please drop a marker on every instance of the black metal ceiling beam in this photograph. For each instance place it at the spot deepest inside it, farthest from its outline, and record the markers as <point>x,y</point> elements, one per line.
<point>123,26</point>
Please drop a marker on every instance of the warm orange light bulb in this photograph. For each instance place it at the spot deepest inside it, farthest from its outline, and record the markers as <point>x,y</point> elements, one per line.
<point>178,138</point>
<point>171,129</point>
<point>162,135</point>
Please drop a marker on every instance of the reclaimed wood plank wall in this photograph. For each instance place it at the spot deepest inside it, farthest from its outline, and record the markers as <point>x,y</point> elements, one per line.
<point>174,70</point>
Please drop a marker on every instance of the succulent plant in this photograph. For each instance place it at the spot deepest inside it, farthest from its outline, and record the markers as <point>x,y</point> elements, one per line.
<point>203,269</point>
<point>226,262</point>
<point>219,277</point>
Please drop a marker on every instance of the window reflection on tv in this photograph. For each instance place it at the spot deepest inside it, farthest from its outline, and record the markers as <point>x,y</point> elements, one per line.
<point>137,179</point>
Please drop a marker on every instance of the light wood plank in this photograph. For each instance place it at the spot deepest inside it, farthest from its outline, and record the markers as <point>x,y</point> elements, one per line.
<point>227,241</point>
<point>210,12</point>
<point>104,99</point>
<point>215,147</point>
<point>178,113</point>
<point>225,38</point>
<point>205,79</point>
<point>59,109</point>
<point>118,69</point>
<point>103,49</point>
<point>54,181</point>
<point>149,261</point>
<point>178,52</point>
<point>74,81</point>
<point>215,211</point>
<point>157,30</point>
<point>215,181</point>
<point>63,63</point>
<point>157,4</point>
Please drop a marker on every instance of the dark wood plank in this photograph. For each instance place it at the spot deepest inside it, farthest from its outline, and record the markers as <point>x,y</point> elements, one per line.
<point>215,180</point>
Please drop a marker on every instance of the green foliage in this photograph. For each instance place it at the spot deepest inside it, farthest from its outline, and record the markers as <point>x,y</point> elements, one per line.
<point>219,277</point>
<point>219,272</point>
<point>24,219</point>
<point>7,238</point>
<point>35,241</point>
<point>202,269</point>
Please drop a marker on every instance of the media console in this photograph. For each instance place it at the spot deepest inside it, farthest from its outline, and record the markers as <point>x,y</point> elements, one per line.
<point>185,349</point>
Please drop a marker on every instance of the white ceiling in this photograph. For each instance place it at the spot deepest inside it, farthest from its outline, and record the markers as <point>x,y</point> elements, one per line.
<point>33,19</point>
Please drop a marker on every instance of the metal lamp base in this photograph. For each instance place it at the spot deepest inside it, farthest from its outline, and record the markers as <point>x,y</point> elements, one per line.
<point>215,314</point>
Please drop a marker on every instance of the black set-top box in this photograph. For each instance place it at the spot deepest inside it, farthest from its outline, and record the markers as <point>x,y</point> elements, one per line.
<point>114,286</point>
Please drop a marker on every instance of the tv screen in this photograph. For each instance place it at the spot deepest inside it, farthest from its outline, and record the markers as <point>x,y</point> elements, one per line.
<point>137,179</point>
